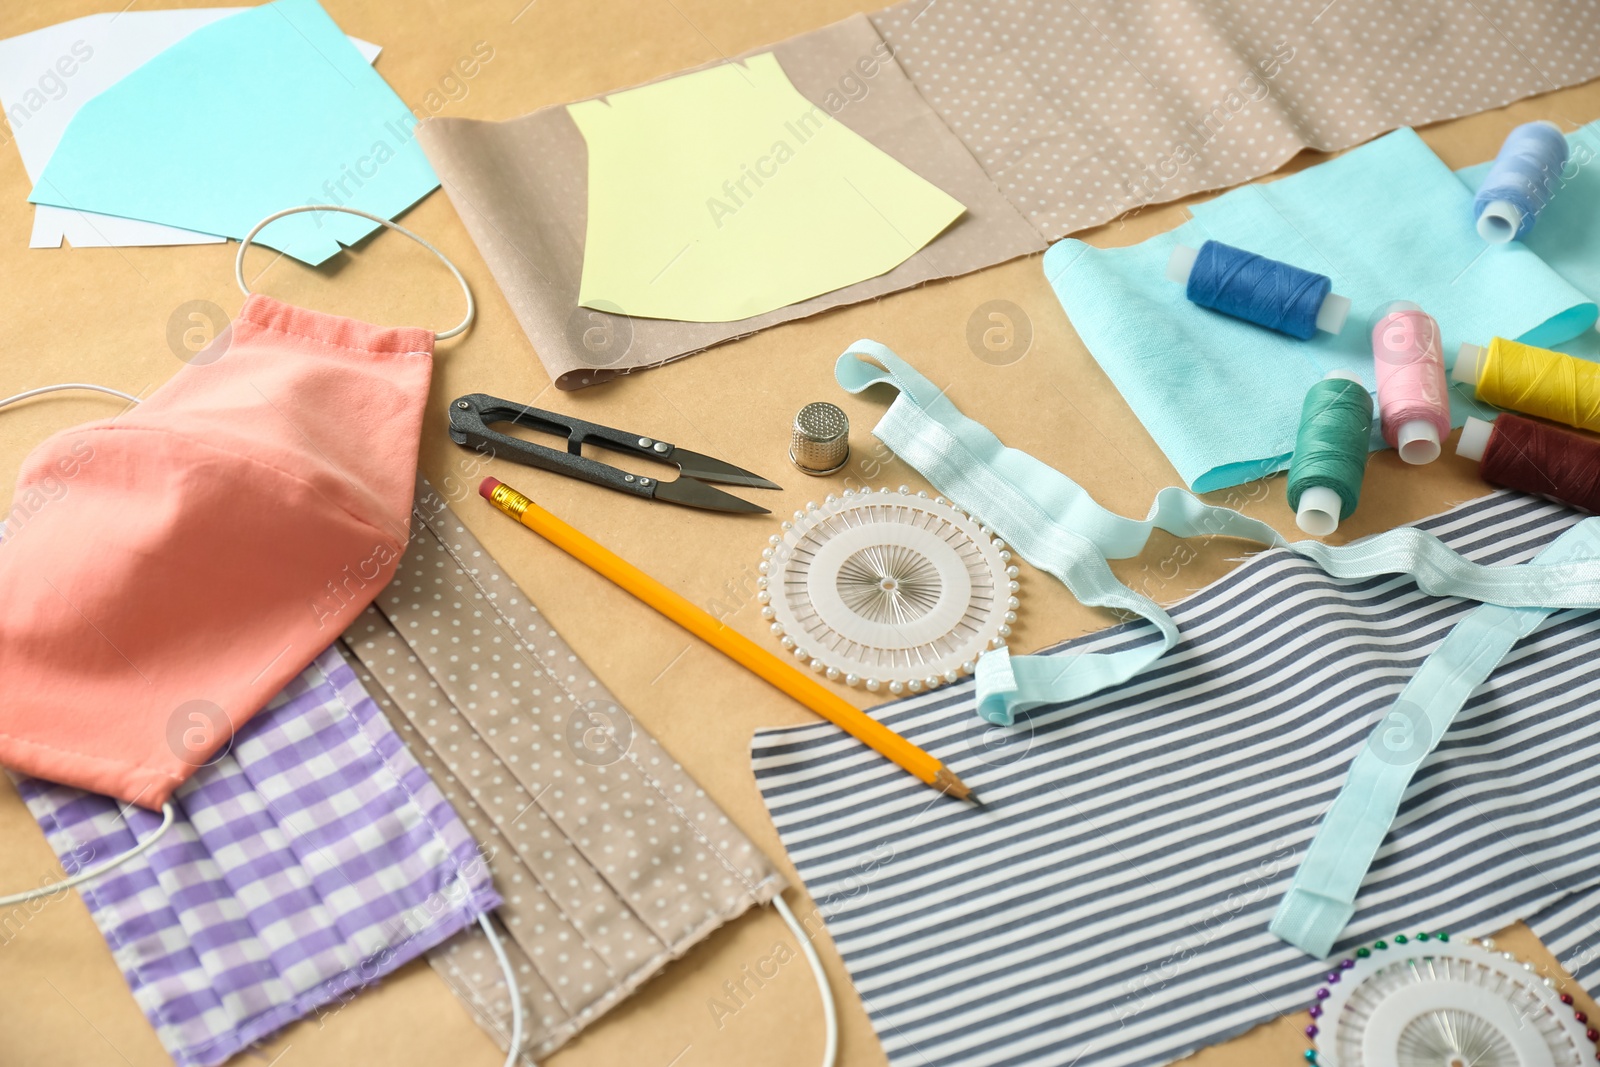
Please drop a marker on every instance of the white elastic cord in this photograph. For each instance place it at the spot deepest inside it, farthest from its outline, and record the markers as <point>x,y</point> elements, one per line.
<point>167,814</point>
<point>244,246</point>
<point>43,389</point>
<point>511,989</point>
<point>830,1016</point>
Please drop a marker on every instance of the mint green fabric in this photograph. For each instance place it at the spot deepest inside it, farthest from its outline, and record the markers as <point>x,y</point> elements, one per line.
<point>1054,524</point>
<point>1567,234</point>
<point>1387,221</point>
<point>1322,897</point>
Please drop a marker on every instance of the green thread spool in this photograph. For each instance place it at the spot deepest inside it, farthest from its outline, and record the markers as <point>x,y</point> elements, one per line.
<point>1330,453</point>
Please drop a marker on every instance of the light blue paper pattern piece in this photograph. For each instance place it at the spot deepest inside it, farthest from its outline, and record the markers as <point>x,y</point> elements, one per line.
<point>267,109</point>
<point>1567,233</point>
<point>1387,221</point>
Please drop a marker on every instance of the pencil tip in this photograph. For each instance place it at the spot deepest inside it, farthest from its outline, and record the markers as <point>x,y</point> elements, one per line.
<point>947,782</point>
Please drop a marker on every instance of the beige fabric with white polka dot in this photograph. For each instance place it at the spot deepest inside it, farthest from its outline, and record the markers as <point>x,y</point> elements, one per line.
<point>611,859</point>
<point>1081,111</point>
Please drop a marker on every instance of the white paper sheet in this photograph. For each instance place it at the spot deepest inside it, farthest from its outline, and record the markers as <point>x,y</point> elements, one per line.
<point>47,75</point>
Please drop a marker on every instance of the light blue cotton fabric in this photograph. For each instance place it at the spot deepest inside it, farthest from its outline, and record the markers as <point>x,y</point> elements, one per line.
<point>1058,527</point>
<point>1387,221</point>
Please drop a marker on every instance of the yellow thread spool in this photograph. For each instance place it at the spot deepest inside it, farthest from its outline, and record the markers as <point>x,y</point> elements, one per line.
<point>1535,381</point>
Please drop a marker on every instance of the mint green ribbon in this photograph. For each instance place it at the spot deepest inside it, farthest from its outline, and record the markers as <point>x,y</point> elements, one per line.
<point>1322,897</point>
<point>1054,524</point>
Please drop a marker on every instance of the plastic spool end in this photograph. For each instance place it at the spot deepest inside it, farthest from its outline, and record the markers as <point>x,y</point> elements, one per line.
<point>1181,264</point>
<point>1397,305</point>
<point>1468,359</point>
<point>1474,439</point>
<point>1331,316</point>
<point>1343,376</point>
<point>1318,514</point>
<point>1418,441</point>
<point>1499,222</point>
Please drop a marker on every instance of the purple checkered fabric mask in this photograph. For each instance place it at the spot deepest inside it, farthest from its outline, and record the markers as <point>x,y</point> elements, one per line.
<point>312,858</point>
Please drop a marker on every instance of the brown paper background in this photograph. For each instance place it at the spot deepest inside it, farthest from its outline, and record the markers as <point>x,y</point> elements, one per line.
<point>103,315</point>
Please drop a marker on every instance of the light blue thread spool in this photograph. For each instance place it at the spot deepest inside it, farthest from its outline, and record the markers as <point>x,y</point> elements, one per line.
<point>1521,182</point>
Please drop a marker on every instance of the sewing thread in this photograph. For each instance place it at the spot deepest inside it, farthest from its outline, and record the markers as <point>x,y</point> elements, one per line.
<point>1413,397</point>
<point>1517,187</point>
<point>1264,291</point>
<point>1535,458</point>
<point>1330,453</point>
<point>1534,381</point>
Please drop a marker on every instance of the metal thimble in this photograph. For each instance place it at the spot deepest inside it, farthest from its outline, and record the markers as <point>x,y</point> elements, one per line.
<point>821,439</point>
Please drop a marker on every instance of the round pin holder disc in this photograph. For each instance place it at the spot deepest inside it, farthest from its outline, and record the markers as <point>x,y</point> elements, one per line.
<point>1430,1002</point>
<point>888,590</point>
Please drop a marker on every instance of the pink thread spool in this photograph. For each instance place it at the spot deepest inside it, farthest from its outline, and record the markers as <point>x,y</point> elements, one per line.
<point>1413,397</point>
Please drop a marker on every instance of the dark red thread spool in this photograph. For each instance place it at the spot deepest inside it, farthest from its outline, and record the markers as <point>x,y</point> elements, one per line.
<point>1518,453</point>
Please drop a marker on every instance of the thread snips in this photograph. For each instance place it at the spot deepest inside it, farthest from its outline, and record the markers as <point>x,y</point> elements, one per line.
<point>473,415</point>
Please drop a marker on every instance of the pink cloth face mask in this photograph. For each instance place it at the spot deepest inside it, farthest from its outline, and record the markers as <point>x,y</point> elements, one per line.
<point>168,571</point>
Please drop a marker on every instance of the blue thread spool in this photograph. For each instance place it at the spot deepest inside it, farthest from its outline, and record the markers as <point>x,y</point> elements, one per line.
<point>1520,183</point>
<point>1279,296</point>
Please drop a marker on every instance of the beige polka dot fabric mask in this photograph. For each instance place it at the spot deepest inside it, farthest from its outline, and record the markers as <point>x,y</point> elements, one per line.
<point>1082,111</point>
<point>611,859</point>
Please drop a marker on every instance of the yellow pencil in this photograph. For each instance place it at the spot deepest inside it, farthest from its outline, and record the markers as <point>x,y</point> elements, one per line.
<point>731,643</point>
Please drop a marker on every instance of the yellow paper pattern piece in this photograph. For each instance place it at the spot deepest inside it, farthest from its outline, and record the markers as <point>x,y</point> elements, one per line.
<point>724,193</point>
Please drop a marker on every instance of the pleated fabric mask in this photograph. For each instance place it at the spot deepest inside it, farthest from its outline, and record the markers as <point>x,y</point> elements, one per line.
<point>611,858</point>
<point>302,852</point>
<point>309,860</point>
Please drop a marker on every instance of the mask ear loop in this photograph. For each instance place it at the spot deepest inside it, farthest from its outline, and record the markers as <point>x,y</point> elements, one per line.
<point>511,989</point>
<point>43,389</point>
<point>830,1015</point>
<point>167,815</point>
<point>168,812</point>
<point>244,246</point>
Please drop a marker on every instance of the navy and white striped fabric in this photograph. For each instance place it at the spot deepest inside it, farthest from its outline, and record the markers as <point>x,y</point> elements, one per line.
<point>1111,905</point>
<point>1570,928</point>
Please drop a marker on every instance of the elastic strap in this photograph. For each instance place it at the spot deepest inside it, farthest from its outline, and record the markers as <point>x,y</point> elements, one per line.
<point>167,815</point>
<point>1048,518</point>
<point>830,1016</point>
<point>1055,525</point>
<point>244,246</point>
<point>512,990</point>
<point>1321,900</point>
<point>43,389</point>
